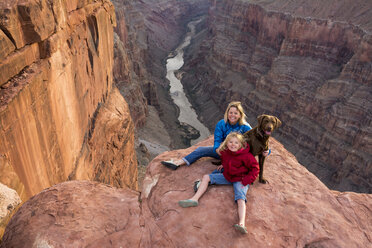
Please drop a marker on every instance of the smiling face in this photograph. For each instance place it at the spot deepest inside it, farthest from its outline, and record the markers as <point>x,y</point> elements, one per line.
<point>233,144</point>
<point>233,115</point>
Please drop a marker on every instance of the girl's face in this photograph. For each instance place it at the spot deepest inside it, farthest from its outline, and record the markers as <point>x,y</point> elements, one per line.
<point>234,144</point>
<point>233,115</point>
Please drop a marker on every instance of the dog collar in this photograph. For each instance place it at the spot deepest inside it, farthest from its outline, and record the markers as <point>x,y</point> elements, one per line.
<point>260,132</point>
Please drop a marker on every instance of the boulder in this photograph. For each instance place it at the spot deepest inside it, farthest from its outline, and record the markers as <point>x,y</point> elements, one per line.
<point>9,200</point>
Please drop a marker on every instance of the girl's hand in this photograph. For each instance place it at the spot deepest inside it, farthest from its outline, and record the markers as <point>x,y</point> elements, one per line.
<point>265,153</point>
<point>220,167</point>
<point>218,151</point>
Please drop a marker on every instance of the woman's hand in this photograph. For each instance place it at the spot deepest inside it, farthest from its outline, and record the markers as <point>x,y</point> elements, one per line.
<point>220,167</point>
<point>265,153</point>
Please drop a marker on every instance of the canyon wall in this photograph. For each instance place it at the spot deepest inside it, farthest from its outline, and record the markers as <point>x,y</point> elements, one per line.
<point>309,63</point>
<point>60,115</point>
<point>147,31</point>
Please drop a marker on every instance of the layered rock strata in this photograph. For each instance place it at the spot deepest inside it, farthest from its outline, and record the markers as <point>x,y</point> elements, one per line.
<point>60,116</point>
<point>308,63</point>
<point>295,209</point>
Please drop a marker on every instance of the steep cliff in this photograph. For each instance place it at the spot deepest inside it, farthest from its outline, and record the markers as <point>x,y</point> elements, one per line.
<point>295,209</point>
<point>60,116</point>
<point>309,63</point>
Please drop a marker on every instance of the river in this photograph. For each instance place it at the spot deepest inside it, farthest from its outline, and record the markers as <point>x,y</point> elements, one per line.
<point>174,63</point>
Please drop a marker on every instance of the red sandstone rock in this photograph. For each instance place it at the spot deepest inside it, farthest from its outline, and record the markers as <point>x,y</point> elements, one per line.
<point>6,46</point>
<point>27,22</point>
<point>109,156</point>
<point>77,214</point>
<point>55,74</point>
<point>293,210</point>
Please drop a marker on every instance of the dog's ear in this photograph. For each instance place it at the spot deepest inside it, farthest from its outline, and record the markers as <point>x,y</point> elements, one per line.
<point>260,119</point>
<point>278,123</point>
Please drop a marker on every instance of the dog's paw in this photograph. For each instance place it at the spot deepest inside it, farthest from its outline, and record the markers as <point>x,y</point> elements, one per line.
<point>262,180</point>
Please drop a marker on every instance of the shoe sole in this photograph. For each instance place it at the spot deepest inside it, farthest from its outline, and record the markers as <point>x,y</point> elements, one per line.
<point>240,229</point>
<point>188,203</point>
<point>169,165</point>
<point>196,185</point>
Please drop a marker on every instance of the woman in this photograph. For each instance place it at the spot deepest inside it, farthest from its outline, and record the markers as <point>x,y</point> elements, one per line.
<point>233,121</point>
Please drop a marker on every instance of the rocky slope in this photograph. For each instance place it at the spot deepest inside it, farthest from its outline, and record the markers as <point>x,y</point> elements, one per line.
<point>60,115</point>
<point>307,62</point>
<point>295,209</point>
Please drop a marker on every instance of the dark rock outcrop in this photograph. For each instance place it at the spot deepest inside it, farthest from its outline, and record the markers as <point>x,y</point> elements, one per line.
<point>295,209</point>
<point>128,84</point>
<point>308,63</point>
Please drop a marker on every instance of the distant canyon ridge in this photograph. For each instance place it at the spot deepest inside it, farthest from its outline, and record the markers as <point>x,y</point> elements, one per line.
<point>305,62</point>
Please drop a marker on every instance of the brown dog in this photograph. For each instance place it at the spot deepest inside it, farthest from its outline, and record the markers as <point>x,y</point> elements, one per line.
<point>258,138</point>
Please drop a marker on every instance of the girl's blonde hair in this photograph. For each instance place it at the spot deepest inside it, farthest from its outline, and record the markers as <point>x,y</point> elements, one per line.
<point>231,135</point>
<point>239,107</point>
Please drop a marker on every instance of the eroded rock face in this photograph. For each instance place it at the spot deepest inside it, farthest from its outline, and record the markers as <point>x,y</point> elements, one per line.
<point>108,155</point>
<point>310,65</point>
<point>55,74</point>
<point>129,88</point>
<point>295,209</point>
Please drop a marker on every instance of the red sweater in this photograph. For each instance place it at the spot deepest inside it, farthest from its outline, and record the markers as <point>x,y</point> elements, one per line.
<point>240,166</point>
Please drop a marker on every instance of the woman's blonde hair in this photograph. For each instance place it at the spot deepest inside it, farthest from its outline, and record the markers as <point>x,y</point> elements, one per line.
<point>231,135</point>
<point>239,107</point>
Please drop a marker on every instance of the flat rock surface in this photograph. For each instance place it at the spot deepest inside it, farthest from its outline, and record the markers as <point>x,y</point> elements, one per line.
<point>294,209</point>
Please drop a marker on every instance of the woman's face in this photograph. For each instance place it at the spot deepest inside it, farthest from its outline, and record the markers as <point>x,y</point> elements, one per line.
<point>233,144</point>
<point>233,115</point>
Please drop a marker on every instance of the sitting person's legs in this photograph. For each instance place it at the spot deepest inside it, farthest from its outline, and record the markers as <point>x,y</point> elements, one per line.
<point>202,151</point>
<point>215,178</point>
<point>240,192</point>
<point>194,201</point>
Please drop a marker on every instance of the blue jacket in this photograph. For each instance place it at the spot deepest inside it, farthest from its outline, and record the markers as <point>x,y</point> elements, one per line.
<point>223,129</point>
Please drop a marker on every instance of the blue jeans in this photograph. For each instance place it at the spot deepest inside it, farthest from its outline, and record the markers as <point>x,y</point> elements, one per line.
<point>240,191</point>
<point>201,151</point>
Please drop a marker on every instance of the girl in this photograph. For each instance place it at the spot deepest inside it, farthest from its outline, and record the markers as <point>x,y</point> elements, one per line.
<point>233,121</point>
<point>240,168</point>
